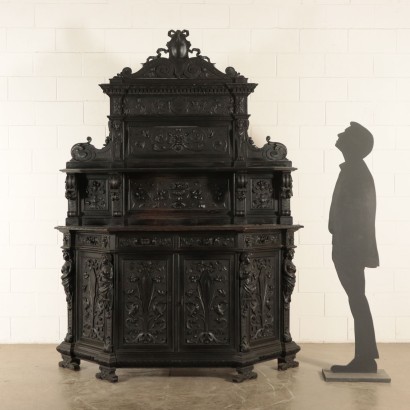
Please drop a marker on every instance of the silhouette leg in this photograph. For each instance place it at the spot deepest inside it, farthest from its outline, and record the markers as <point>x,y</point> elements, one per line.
<point>352,278</point>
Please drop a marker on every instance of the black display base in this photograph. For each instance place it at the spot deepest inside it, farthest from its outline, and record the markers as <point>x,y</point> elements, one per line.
<point>380,377</point>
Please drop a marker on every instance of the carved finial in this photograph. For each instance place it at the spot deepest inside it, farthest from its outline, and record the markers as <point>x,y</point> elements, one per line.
<point>268,139</point>
<point>89,139</point>
<point>232,72</point>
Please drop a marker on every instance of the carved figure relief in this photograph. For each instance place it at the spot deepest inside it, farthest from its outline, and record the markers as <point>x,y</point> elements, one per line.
<point>146,305</point>
<point>206,302</point>
<point>67,280</point>
<point>181,193</point>
<point>289,281</point>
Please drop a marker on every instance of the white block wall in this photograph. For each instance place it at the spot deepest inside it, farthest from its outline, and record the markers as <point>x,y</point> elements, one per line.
<point>319,63</point>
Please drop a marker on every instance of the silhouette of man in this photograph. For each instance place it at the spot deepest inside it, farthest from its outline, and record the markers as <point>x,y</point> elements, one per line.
<point>352,225</point>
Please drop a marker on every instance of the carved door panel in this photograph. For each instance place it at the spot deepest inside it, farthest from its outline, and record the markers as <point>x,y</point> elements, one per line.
<point>146,295</point>
<point>206,301</point>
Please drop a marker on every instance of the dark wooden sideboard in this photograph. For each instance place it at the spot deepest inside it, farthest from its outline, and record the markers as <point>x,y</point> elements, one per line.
<point>179,239</point>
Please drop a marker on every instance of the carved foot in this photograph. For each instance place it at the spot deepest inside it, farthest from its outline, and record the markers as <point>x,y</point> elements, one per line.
<point>244,373</point>
<point>69,362</point>
<point>287,362</point>
<point>107,373</point>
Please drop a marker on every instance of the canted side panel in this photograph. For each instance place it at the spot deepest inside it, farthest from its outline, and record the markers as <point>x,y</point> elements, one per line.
<point>179,142</point>
<point>179,193</point>
<point>146,296</point>
<point>260,299</point>
<point>90,295</point>
<point>206,302</point>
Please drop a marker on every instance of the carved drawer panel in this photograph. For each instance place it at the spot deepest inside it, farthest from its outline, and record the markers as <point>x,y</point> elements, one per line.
<point>178,142</point>
<point>206,302</point>
<point>177,105</point>
<point>262,240</point>
<point>145,290</point>
<point>207,241</point>
<point>200,193</point>
<point>146,240</point>
<point>91,240</point>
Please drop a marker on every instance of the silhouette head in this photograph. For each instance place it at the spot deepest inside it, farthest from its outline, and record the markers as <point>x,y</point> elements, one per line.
<point>355,142</point>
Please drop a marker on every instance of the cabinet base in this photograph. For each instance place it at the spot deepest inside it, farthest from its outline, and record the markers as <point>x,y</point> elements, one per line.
<point>244,373</point>
<point>69,362</point>
<point>107,373</point>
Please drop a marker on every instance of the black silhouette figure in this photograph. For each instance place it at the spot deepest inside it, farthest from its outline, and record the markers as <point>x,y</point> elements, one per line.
<point>352,225</point>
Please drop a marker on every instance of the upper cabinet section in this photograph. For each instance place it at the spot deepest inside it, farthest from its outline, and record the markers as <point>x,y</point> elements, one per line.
<point>178,110</point>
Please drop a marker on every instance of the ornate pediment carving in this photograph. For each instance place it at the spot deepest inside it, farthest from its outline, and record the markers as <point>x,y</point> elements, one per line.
<point>179,64</point>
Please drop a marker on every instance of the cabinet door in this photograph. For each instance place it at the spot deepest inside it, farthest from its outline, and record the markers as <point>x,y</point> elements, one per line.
<point>206,301</point>
<point>145,306</point>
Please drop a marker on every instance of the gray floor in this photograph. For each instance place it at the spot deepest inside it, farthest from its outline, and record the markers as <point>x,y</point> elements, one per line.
<point>30,379</point>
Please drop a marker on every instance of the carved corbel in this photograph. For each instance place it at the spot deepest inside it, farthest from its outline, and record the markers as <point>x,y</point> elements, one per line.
<point>116,194</point>
<point>240,194</point>
<point>71,193</point>
<point>285,195</point>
